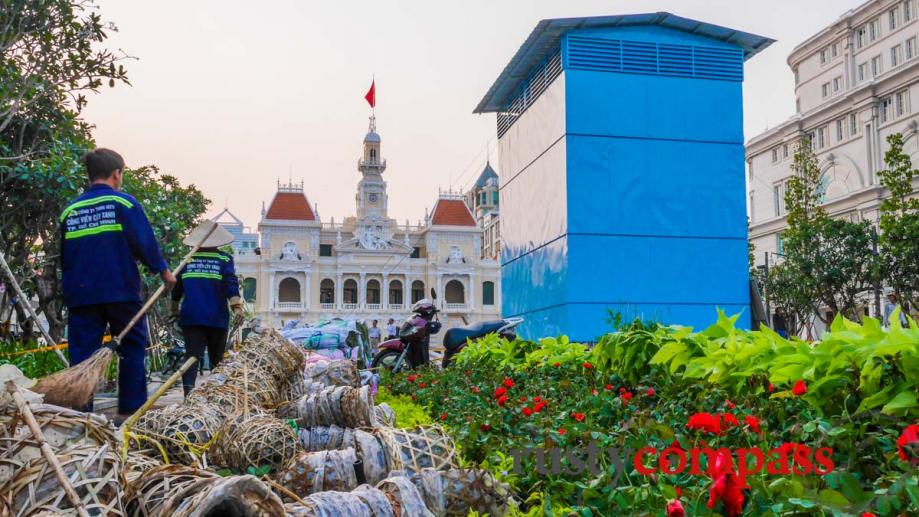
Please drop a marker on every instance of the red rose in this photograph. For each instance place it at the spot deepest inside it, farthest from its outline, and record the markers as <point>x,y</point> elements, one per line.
<point>753,422</point>
<point>411,378</point>
<point>539,405</point>
<point>523,398</point>
<point>770,388</point>
<point>729,404</point>
<point>609,387</point>
<point>675,509</point>
<point>422,385</point>
<point>484,427</point>
<point>508,383</point>
<point>578,416</point>
<point>729,419</point>
<point>906,440</point>
<point>537,398</point>
<point>726,487</point>
<point>626,397</point>
<point>556,364</point>
<point>800,388</point>
<point>622,389</point>
<point>502,400</point>
<point>868,514</point>
<point>705,422</point>
<point>562,430</point>
<point>443,417</point>
<point>527,411</point>
<point>500,392</point>
<point>650,392</point>
<point>587,365</point>
<point>475,389</point>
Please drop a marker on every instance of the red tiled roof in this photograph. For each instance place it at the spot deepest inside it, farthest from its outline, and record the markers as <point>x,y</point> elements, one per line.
<point>452,212</point>
<point>290,206</point>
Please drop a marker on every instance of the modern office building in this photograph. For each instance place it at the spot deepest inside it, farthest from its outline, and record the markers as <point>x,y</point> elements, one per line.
<point>622,173</point>
<point>854,84</point>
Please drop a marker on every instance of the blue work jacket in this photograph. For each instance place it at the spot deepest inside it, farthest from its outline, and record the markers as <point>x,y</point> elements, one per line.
<point>207,282</point>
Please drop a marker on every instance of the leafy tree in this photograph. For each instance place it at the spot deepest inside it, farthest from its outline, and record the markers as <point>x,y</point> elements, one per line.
<point>899,223</point>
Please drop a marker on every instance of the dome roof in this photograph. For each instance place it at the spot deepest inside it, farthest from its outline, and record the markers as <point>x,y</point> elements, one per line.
<point>372,137</point>
<point>487,174</point>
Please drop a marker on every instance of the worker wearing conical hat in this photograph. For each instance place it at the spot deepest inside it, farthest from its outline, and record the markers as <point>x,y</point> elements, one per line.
<point>208,283</point>
<point>104,232</point>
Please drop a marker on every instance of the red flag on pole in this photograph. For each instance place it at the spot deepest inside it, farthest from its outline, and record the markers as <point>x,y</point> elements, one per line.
<point>372,94</point>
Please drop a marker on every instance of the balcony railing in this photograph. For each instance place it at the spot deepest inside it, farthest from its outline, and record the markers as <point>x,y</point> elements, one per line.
<point>455,307</point>
<point>290,306</point>
<point>396,307</point>
<point>374,306</point>
<point>349,306</point>
<point>327,306</point>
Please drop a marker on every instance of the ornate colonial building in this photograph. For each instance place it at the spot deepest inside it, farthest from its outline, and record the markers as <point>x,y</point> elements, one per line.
<point>367,266</point>
<point>483,199</point>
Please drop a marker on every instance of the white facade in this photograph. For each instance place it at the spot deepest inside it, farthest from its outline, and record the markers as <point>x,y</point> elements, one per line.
<point>857,81</point>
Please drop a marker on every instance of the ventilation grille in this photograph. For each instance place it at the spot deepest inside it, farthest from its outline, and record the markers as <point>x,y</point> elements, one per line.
<point>531,89</point>
<point>604,55</point>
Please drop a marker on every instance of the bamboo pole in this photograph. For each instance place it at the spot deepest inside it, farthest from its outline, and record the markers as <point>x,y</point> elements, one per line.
<point>46,451</point>
<point>30,311</point>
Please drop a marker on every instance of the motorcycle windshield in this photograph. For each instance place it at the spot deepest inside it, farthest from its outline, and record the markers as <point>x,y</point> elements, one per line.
<point>407,329</point>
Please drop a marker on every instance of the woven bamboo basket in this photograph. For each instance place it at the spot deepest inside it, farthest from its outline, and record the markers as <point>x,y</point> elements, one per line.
<point>189,432</point>
<point>138,462</point>
<point>334,373</point>
<point>94,472</point>
<point>313,472</point>
<point>334,405</point>
<point>457,492</point>
<point>259,387</point>
<point>273,353</point>
<point>404,497</point>
<point>177,490</point>
<point>229,398</point>
<point>385,415</point>
<point>61,427</point>
<point>256,441</point>
<point>364,501</point>
<point>419,448</point>
<point>153,421</point>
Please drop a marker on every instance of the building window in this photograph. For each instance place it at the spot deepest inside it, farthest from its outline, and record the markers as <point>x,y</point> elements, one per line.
<point>777,201</point>
<point>289,291</point>
<point>417,291</point>
<point>885,109</point>
<point>901,103</point>
<point>825,89</point>
<point>785,151</point>
<point>876,66</point>
<point>778,244</point>
<point>455,292</point>
<point>893,17</point>
<point>249,289</point>
<point>861,34</point>
<point>775,155</point>
<point>824,55</point>
<point>837,84</point>
<point>840,134</point>
<point>874,29</point>
<point>752,207</point>
<point>494,198</point>
<point>488,293</point>
<point>821,137</point>
<point>862,72</point>
<point>373,291</point>
<point>325,250</point>
<point>395,292</point>
<point>416,252</point>
<point>327,291</point>
<point>835,49</point>
<point>896,55</point>
<point>911,48</point>
<point>907,10</point>
<point>853,124</point>
<point>349,291</point>
<point>373,154</point>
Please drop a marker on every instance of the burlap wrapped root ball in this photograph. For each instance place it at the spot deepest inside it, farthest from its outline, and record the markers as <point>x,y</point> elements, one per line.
<point>385,415</point>
<point>457,492</point>
<point>326,438</point>
<point>364,501</point>
<point>256,442</point>
<point>95,475</point>
<point>181,491</point>
<point>404,497</point>
<point>335,405</point>
<point>61,427</point>
<point>417,449</point>
<point>312,472</point>
<point>333,373</point>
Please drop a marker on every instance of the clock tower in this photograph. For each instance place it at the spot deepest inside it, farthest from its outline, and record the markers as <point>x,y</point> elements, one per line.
<point>371,189</point>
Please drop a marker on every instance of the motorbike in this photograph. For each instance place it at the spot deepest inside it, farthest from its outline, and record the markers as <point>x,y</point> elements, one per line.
<point>412,342</point>
<point>456,338</point>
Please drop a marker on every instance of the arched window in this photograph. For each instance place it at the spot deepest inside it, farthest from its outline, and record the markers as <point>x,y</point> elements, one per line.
<point>395,292</point>
<point>454,292</point>
<point>488,293</point>
<point>373,155</point>
<point>373,291</point>
<point>289,290</point>
<point>417,290</point>
<point>349,291</point>
<point>327,291</point>
<point>249,285</point>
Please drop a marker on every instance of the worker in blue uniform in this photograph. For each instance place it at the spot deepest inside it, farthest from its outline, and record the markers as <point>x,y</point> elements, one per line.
<point>208,283</point>
<point>104,232</point>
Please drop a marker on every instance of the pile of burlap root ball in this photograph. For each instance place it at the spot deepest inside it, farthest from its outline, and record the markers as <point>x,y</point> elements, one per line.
<point>267,433</point>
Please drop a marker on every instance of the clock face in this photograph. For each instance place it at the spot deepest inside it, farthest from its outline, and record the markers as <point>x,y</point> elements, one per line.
<point>372,197</point>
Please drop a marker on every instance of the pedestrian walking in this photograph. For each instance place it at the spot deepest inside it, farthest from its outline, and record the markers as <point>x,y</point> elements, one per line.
<point>893,303</point>
<point>392,332</point>
<point>374,333</point>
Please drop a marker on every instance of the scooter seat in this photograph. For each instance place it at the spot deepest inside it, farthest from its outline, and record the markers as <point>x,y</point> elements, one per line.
<point>457,336</point>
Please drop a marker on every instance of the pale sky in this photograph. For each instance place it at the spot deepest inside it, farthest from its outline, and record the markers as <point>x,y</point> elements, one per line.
<point>233,95</point>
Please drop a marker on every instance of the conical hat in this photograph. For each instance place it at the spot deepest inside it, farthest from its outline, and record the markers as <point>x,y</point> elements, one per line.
<point>219,237</point>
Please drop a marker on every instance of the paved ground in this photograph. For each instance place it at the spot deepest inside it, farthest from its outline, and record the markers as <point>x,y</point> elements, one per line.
<point>107,403</point>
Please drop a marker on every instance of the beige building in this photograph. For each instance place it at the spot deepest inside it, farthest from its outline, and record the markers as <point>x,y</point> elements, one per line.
<point>483,200</point>
<point>367,266</point>
<point>855,82</point>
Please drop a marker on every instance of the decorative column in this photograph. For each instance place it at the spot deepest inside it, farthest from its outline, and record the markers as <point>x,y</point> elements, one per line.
<point>272,291</point>
<point>384,292</point>
<point>362,291</point>
<point>307,293</point>
<point>470,305</point>
<point>339,291</point>
<point>440,290</point>
<point>406,291</point>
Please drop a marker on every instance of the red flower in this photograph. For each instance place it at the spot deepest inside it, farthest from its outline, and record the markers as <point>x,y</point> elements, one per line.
<point>502,400</point>
<point>500,392</point>
<point>868,514</point>
<point>537,398</point>
<point>413,397</point>
<point>561,430</point>
<point>578,416</point>
<point>622,389</point>
<point>422,385</point>
<point>475,389</point>
<point>508,383</point>
<point>587,365</point>
<point>770,388</point>
<point>443,417</point>
<point>800,388</point>
<point>753,422</point>
<point>557,364</point>
<point>539,405</point>
<point>650,392</point>
<point>523,398</point>
<point>411,378</point>
<point>910,436</point>
<point>726,487</point>
<point>675,509</point>
<point>678,490</point>
<point>609,387</point>
<point>729,404</point>
<point>485,427</point>
<point>593,391</point>
<point>626,397</point>
<point>527,411</point>
<point>705,422</point>
<point>729,419</point>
